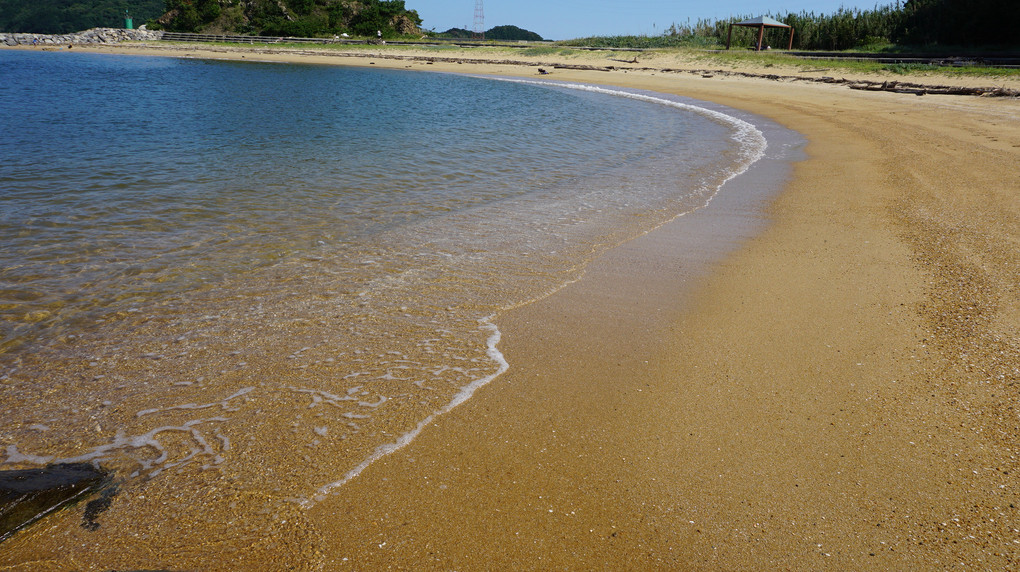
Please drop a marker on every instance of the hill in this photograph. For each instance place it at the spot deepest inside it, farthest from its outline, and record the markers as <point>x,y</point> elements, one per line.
<point>301,18</point>
<point>511,33</point>
<point>67,16</point>
<point>497,33</point>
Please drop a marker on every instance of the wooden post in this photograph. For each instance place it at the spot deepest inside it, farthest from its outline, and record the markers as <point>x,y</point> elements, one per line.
<point>761,35</point>
<point>790,47</point>
<point>729,37</point>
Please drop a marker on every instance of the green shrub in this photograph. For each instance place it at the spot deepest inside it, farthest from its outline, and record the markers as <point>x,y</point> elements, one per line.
<point>540,51</point>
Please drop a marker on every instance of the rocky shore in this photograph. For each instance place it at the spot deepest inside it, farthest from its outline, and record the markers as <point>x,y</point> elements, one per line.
<point>93,36</point>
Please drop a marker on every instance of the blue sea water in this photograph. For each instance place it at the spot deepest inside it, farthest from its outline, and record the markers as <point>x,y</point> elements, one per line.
<point>208,268</point>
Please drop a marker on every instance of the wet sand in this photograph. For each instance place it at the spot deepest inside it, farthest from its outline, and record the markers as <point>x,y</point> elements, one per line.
<point>839,392</point>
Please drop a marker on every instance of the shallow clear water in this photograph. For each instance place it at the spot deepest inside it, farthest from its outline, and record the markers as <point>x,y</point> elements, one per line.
<point>276,273</point>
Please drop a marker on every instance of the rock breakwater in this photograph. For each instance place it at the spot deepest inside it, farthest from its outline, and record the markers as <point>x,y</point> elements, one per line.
<point>93,36</point>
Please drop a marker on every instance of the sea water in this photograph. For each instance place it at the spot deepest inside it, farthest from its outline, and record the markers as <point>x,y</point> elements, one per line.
<point>275,274</point>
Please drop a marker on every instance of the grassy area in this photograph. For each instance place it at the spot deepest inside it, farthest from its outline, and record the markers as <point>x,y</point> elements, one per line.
<point>547,51</point>
<point>779,60</point>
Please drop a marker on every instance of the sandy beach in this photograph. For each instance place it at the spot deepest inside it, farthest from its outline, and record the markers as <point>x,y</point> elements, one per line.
<point>839,392</point>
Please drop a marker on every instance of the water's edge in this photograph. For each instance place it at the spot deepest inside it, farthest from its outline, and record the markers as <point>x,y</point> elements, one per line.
<point>750,130</point>
<point>252,393</point>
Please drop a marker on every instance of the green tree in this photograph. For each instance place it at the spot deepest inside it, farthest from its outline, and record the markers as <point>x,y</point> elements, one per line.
<point>961,22</point>
<point>182,16</point>
<point>304,18</point>
<point>208,9</point>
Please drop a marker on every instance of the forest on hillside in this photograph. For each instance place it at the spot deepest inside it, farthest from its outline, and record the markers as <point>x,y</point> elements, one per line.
<point>67,16</point>
<point>307,18</point>
<point>298,18</point>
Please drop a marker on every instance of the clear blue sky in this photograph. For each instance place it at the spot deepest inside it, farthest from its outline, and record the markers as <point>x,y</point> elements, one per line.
<point>566,19</point>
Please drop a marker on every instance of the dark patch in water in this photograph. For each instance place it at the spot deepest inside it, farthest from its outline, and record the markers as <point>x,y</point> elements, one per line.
<point>98,506</point>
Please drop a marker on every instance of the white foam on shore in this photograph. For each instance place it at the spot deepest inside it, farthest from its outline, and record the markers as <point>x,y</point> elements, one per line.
<point>752,148</point>
<point>752,141</point>
<point>149,440</point>
<point>463,395</point>
<point>223,403</point>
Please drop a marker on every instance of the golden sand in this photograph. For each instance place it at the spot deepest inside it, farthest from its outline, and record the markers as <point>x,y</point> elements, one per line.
<point>839,393</point>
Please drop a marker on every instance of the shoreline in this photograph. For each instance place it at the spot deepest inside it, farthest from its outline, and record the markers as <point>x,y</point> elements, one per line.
<point>833,394</point>
<point>605,61</point>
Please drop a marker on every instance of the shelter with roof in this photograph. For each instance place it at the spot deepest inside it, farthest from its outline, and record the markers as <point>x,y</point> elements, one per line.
<point>761,22</point>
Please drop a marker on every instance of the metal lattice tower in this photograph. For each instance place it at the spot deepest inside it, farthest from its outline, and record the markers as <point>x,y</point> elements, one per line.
<point>479,28</point>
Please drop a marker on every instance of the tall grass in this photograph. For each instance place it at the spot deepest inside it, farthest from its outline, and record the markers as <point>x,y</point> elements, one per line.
<point>843,30</point>
<point>917,23</point>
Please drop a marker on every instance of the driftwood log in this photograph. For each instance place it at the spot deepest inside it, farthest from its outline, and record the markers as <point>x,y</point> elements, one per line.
<point>897,87</point>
